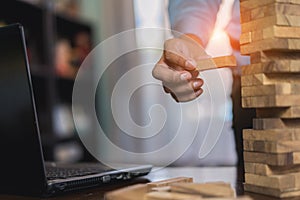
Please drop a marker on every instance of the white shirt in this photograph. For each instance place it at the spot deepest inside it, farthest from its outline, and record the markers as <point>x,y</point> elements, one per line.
<point>199,17</point>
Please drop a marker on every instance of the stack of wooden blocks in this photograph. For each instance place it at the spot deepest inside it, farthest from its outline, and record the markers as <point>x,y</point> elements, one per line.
<point>271,84</point>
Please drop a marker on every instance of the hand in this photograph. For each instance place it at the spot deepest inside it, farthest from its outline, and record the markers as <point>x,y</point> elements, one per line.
<point>176,68</point>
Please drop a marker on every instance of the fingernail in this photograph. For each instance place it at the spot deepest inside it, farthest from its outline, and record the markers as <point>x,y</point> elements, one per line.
<point>196,84</point>
<point>184,76</point>
<point>198,92</point>
<point>191,64</point>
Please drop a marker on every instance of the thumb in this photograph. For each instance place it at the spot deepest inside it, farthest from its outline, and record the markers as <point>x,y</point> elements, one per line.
<point>178,60</point>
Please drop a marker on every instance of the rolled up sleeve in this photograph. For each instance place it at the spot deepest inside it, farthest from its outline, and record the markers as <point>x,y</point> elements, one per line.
<point>194,16</point>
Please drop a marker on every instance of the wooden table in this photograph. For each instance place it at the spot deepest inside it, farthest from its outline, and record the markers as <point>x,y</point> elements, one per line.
<point>199,174</point>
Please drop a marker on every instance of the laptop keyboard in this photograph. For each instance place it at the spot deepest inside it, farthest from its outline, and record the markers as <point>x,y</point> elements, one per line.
<point>61,171</point>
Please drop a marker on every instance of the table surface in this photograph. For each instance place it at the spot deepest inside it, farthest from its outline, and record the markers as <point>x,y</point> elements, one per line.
<point>199,174</point>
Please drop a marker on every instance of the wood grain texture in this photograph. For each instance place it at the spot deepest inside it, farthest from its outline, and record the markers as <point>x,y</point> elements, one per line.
<point>271,101</point>
<point>251,4</point>
<point>267,56</point>
<point>180,196</point>
<point>280,44</point>
<point>268,170</point>
<point>270,10</point>
<point>275,123</point>
<point>283,182</point>
<point>170,196</point>
<point>135,192</point>
<point>282,159</point>
<point>216,62</point>
<point>264,90</point>
<point>271,191</point>
<point>246,38</point>
<point>271,146</point>
<point>285,113</point>
<point>272,135</point>
<point>270,33</point>
<point>269,67</point>
<point>257,79</point>
<point>169,182</point>
<point>269,79</point>
<point>213,189</point>
<point>262,23</point>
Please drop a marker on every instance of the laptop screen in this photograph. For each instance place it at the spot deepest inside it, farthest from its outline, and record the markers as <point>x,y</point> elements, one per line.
<point>16,114</point>
<point>20,149</point>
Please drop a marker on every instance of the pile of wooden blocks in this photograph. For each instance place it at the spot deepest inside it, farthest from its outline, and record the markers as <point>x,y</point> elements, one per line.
<point>271,84</point>
<point>180,188</point>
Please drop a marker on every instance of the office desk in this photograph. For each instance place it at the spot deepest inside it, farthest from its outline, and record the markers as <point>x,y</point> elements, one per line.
<point>199,174</point>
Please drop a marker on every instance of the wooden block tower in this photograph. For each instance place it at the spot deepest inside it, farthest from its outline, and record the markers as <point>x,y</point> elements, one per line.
<point>271,84</point>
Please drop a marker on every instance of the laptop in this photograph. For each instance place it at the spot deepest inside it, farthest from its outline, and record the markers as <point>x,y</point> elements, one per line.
<point>23,170</point>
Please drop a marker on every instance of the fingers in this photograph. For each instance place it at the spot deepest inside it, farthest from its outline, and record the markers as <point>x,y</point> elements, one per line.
<point>166,74</point>
<point>181,85</point>
<point>176,69</point>
<point>194,73</point>
<point>174,59</point>
<point>186,97</point>
<point>186,91</point>
<point>177,54</point>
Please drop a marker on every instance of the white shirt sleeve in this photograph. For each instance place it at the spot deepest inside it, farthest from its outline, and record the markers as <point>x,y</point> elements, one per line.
<point>194,16</point>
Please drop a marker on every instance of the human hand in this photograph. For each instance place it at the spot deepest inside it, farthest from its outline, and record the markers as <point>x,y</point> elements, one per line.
<point>176,68</point>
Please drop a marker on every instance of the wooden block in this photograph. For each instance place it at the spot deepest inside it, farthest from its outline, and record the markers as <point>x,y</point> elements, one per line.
<point>272,135</point>
<point>280,32</point>
<point>282,159</point>
<point>179,196</point>
<point>251,4</point>
<point>270,10</point>
<point>269,123</point>
<point>267,170</point>
<point>245,16</point>
<point>271,101</point>
<point>216,62</point>
<point>169,182</point>
<point>271,146</point>
<point>266,56</point>
<point>275,123</point>
<point>257,57</point>
<point>269,79</point>
<point>246,38</point>
<point>263,90</point>
<point>283,183</point>
<point>280,44</point>
<point>270,33</point>
<point>295,88</point>
<point>212,189</point>
<point>269,67</point>
<point>270,191</point>
<point>135,192</point>
<point>170,196</point>
<point>271,90</point>
<point>290,112</point>
<point>257,79</point>
<point>262,23</point>
<point>161,189</point>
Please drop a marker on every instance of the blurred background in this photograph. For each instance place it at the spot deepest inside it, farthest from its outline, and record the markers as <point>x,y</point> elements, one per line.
<point>60,35</point>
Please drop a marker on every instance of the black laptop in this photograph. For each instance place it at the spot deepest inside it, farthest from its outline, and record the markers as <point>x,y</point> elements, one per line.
<point>22,166</point>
